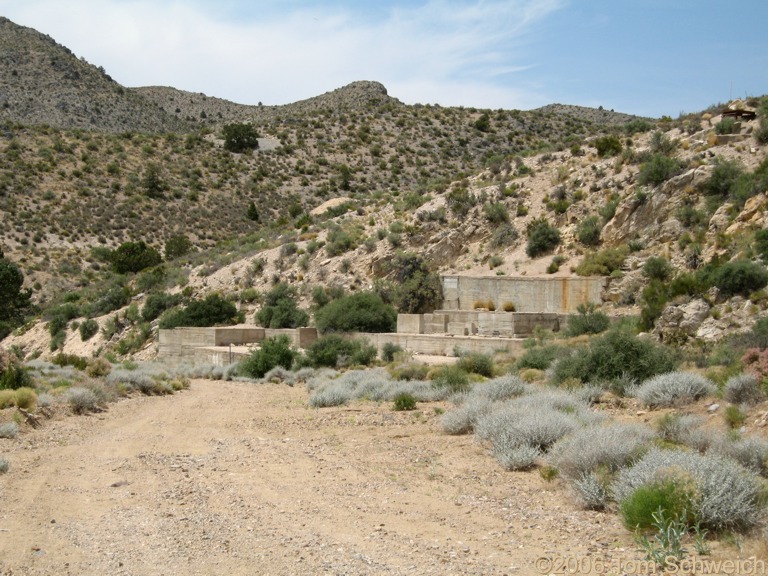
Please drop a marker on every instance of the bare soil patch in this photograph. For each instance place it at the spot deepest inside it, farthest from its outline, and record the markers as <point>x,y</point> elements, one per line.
<point>236,478</point>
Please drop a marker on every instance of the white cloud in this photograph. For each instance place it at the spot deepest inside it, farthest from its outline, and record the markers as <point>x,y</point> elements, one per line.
<point>451,52</point>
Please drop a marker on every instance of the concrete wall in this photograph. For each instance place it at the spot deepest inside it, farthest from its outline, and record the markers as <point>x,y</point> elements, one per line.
<point>551,295</point>
<point>434,345</point>
<point>479,322</point>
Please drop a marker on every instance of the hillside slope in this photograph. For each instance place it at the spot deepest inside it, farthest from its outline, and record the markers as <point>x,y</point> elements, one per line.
<point>42,82</point>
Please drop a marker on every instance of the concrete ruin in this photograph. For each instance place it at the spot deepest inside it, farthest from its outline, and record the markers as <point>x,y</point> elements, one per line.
<point>461,326</point>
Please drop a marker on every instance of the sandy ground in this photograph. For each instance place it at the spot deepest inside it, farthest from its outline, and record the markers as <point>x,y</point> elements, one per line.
<point>235,478</point>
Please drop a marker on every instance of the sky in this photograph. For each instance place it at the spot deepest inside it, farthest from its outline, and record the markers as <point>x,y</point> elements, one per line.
<point>645,57</point>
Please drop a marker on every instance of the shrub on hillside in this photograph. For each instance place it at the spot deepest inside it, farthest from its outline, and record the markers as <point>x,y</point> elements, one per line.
<point>674,387</point>
<point>88,329</point>
<point>496,213</point>
<point>542,238</point>
<point>588,231</point>
<point>418,289</point>
<point>603,262</point>
<point>617,354</point>
<point>589,320</point>
<point>133,257</point>
<point>658,169</point>
<point>506,235</point>
<point>740,277</point>
<point>272,352</point>
<point>212,311</point>
<point>335,351</point>
<point>177,246</point>
<point>608,146</point>
<point>114,298</point>
<point>240,137</point>
<point>358,312</point>
<point>157,303</point>
<point>281,310</point>
<point>744,389</point>
<point>657,268</point>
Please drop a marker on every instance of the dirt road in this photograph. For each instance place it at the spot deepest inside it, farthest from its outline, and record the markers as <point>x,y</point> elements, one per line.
<point>235,478</point>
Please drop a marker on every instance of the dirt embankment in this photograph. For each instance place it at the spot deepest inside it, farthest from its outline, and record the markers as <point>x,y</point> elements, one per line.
<point>235,478</point>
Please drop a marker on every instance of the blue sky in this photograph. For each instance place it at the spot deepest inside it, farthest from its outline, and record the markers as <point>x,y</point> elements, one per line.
<point>647,57</point>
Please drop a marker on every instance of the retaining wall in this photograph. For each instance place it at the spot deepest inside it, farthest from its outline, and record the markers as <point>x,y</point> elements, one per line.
<point>548,295</point>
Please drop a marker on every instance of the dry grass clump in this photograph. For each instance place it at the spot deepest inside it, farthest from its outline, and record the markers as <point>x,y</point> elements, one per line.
<point>5,465</point>
<point>26,398</point>
<point>7,399</point>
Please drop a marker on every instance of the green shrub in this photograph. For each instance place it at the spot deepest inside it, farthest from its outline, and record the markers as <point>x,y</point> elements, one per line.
<point>476,363</point>
<point>496,213</point>
<point>272,352</point>
<point>335,351</point>
<point>608,146</point>
<point>211,311</point>
<point>657,268</point>
<point>588,231</point>
<point>358,312</point>
<point>388,351</point>
<point>616,354</point>
<point>734,417</point>
<point>453,378</point>
<point>177,246</point>
<point>281,310</point>
<point>404,401</point>
<point>540,357</point>
<point>341,240</point>
<point>88,329</point>
<point>5,465</point>
<point>542,238</point>
<point>240,137</point>
<point>157,303</point>
<point>728,126</point>
<point>654,297</point>
<point>603,262</point>
<point>588,321</point>
<point>740,277</point>
<point>12,374</point>
<point>114,298</point>
<point>134,257</point>
<point>70,360</point>
<point>662,144</point>
<point>417,288</point>
<point>506,235</point>
<point>409,371</point>
<point>637,510</point>
<point>658,169</point>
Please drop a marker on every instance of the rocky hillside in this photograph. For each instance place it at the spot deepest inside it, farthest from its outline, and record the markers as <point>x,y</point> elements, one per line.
<point>343,182</point>
<point>42,82</point>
